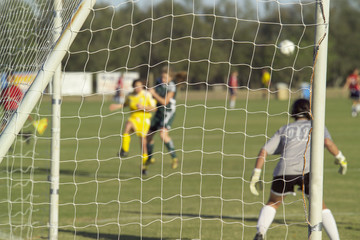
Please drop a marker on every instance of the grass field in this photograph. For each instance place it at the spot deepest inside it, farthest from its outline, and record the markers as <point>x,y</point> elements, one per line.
<point>207,197</point>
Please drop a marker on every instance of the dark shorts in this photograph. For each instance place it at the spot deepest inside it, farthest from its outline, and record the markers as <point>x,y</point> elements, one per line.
<point>284,185</point>
<point>232,91</point>
<point>161,120</point>
<point>354,94</point>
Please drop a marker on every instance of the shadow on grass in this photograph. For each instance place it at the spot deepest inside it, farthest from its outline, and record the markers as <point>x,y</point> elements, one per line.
<point>78,173</point>
<point>208,216</point>
<point>108,236</point>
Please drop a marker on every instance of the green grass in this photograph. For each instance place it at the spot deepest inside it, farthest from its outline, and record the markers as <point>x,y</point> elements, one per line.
<point>207,197</point>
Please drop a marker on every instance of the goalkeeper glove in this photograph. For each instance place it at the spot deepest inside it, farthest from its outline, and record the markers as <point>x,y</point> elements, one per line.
<point>255,183</point>
<point>341,160</point>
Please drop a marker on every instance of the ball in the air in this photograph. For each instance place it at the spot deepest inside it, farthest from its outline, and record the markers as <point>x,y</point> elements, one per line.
<point>287,47</point>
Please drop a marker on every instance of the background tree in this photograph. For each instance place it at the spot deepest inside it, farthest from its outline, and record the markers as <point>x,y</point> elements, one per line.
<point>203,40</point>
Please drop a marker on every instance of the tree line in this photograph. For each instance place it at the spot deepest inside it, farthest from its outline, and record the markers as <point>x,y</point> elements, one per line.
<point>209,42</point>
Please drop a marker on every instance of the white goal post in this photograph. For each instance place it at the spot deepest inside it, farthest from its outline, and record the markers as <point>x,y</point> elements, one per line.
<point>61,40</point>
<point>318,110</point>
<point>44,76</point>
<point>97,191</point>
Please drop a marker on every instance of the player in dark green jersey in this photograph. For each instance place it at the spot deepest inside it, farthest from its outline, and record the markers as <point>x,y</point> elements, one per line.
<point>164,93</point>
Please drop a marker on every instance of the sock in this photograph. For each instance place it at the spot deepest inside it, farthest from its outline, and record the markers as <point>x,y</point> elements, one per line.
<point>357,107</point>
<point>329,224</point>
<point>145,157</point>
<point>150,148</point>
<point>170,146</point>
<point>126,142</point>
<point>353,108</point>
<point>232,103</point>
<point>266,217</point>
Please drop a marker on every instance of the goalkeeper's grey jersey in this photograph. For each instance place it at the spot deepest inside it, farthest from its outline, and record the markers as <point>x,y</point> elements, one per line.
<point>290,142</point>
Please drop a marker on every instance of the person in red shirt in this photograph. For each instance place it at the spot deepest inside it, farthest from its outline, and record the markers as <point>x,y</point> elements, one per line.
<point>353,84</point>
<point>233,86</point>
<point>119,96</point>
<point>10,99</point>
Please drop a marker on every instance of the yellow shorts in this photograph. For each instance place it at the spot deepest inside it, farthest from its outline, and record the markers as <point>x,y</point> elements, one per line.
<point>141,125</point>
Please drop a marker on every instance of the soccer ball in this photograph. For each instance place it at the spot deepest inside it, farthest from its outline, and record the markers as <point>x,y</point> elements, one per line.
<point>287,47</point>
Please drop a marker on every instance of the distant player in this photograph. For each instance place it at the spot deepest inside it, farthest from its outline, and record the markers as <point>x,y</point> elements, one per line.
<point>265,81</point>
<point>353,84</point>
<point>164,93</point>
<point>141,103</point>
<point>233,87</point>
<point>290,142</point>
<point>119,96</point>
<point>10,99</point>
<point>305,90</point>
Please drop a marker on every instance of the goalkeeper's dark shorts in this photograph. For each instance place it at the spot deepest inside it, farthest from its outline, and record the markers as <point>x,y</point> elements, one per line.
<point>285,185</point>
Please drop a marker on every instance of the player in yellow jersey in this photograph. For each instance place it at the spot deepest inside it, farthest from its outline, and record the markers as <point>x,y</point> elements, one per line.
<point>265,80</point>
<point>141,103</point>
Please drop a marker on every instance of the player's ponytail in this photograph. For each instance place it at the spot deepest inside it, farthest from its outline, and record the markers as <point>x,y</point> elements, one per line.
<point>301,109</point>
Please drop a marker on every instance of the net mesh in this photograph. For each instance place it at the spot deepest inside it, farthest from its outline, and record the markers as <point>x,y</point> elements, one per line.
<point>216,139</point>
<point>26,38</point>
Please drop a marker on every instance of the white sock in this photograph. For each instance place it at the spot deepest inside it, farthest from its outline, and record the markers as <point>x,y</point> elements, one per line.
<point>357,107</point>
<point>232,104</point>
<point>329,224</point>
<point>266,217</point>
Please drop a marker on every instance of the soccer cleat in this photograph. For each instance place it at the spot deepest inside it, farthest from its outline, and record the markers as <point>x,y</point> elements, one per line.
<point>149,161</point>
<point>258,236</point>
<point>144,170</point>
<point>174,163</point>
<point>354,114</point>
<point>122,153</point>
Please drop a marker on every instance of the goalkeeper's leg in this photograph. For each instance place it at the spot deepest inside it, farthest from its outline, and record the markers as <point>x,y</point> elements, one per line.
<point>266,217</point>
<point>267,214</point>
<point>329,224</point>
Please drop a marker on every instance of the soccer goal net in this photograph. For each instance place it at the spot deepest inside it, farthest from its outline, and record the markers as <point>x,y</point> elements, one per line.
<point>227,73</point>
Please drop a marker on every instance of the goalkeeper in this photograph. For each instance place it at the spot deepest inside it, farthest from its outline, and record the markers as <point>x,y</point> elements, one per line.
<point>141,103</point>
<point>290,142</point>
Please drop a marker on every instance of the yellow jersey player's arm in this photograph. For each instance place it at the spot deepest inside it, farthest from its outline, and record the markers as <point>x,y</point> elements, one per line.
<point>117,106</point>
